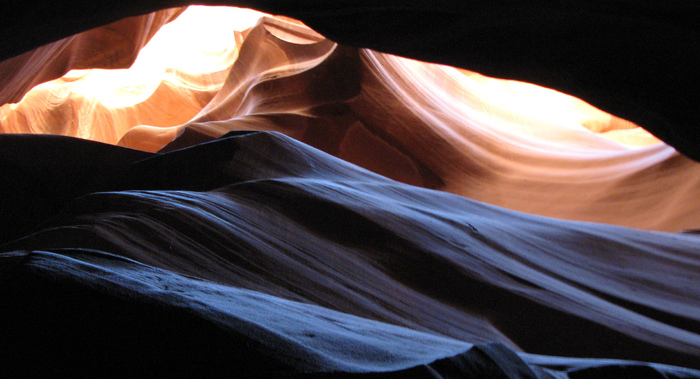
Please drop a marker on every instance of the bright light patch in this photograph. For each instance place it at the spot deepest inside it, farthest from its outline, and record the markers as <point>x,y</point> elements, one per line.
<point>200,41</point>
<point>550,106</point>
<point>194,52</point>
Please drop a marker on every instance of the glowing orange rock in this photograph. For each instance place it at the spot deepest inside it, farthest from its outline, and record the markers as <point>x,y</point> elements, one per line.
<point>507,143</point>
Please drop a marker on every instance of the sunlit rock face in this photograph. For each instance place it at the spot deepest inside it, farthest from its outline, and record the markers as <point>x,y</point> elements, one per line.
<point>634,62</point>
<point>506,143</point>
<point>86,50</point>
<point>251,196</point>
<point>172,79</point>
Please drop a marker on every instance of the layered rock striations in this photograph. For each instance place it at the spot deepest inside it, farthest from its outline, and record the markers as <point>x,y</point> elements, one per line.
<point>632,59</point>
<point>502,142</point>
<point>284,205</point>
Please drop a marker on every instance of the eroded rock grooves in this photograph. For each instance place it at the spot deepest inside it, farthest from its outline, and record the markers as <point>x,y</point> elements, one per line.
<point>303,207</point>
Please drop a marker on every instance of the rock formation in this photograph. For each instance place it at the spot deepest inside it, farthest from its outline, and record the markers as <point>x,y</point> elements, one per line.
<point>291,203</point>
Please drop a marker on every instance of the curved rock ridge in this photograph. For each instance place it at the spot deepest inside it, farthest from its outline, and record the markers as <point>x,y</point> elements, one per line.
<point>438,127</point>
<point>285,259</point>
<point>282,204</point>
<point>502,142</point>
<point>634,59</point>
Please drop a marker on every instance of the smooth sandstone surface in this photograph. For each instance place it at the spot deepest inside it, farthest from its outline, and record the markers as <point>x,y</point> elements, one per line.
<point>634,59</point>
<point>506,143</point>
<point>86,50</point>
<point>280,204</point>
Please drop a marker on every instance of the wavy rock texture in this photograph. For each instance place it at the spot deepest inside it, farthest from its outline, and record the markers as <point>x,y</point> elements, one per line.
<point>422,124</point>
<point>630,58</point>
<point>165,86</point>
<point>86,50</point>
<point>200,247</point>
